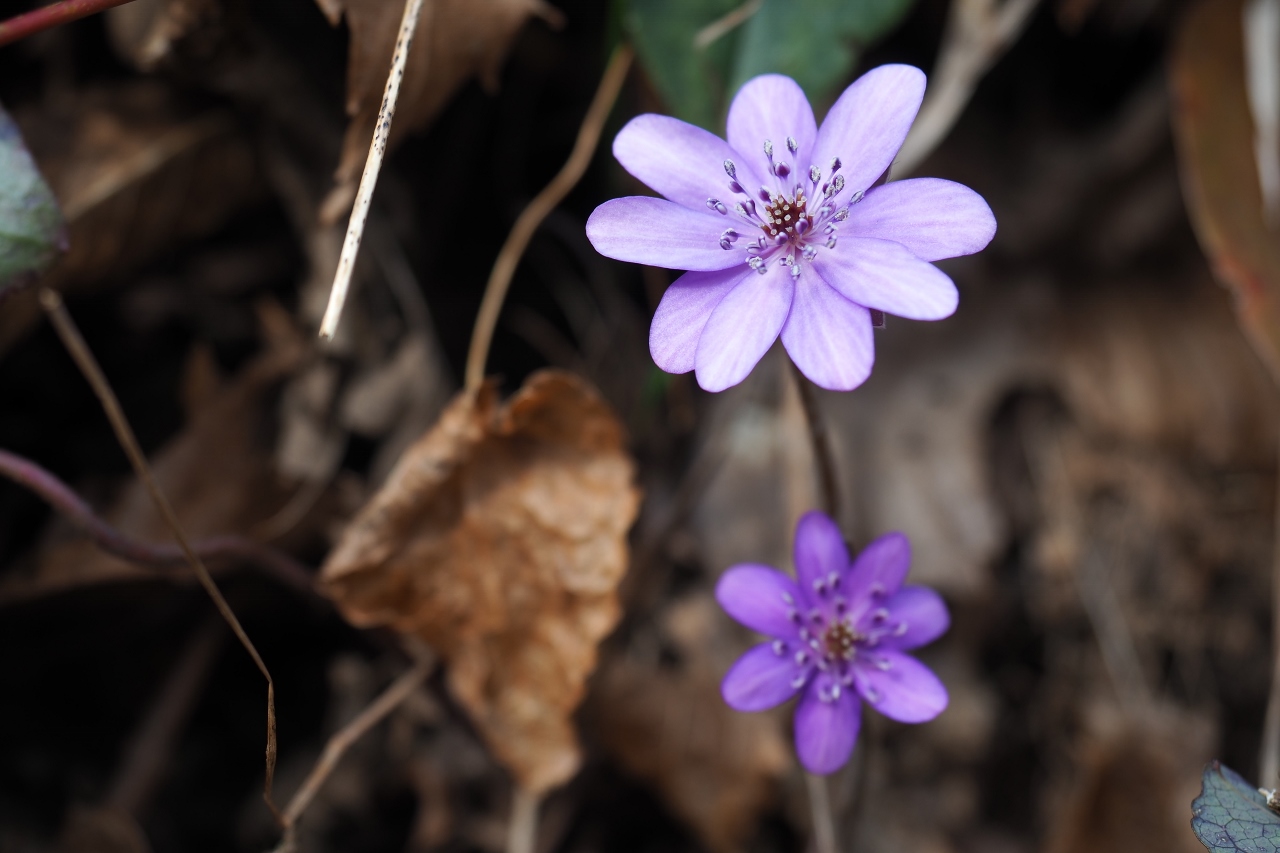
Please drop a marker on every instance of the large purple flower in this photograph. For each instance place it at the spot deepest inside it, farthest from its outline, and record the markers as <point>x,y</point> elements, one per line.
<point>839,632</point>
<point>764,258</point>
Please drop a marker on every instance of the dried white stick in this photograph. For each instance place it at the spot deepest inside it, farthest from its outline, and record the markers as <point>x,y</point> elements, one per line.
<point>369,178</point>
<point>522,834</point>
<point>978,31</point>
<point>1262,79</point>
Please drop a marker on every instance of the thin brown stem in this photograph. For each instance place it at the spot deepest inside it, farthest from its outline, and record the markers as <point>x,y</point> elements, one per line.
<point>400,689</point>
<point>820,439</point>
<point>543,203</point>
<point>80,353</point>
<point>70,505</point>
<point>824,831</point>
<point>1269,759</point>
<point>53,15</point>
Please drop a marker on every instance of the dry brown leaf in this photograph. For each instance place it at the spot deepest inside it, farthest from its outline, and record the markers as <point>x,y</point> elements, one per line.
<point>668,725</point>
<point>217,473</point>
<point>455,40</point>
<point>500,539</point>
<point>133,175</point>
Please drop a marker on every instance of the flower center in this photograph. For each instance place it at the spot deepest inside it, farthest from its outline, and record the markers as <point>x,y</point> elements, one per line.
<point>841,640</point>
<point>796,217</point>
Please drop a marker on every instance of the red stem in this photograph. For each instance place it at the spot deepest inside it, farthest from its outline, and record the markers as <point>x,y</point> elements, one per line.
<point>53,15</point>
<point>59,495</point>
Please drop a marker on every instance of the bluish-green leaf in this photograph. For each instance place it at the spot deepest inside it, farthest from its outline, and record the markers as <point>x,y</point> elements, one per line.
<point>1230,816</point>
<point>32,232</point>
<point>816,42</point>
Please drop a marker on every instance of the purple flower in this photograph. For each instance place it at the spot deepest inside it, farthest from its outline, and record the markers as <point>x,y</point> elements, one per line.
<point>756,220</point>
<point>839,632</point>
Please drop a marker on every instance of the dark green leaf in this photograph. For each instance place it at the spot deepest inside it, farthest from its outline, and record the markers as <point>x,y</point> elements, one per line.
<point>32,232</point>
<point>816,42</point>
<point>1230,816</point>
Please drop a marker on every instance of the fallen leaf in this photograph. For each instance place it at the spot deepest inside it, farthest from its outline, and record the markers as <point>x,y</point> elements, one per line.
<point>217,473</point>
<point>1214,134</point>
<point>31,227</point>
<point>668,725</point>
<point>500,539</point>
<point>455,40</point>
<point>134,175</point>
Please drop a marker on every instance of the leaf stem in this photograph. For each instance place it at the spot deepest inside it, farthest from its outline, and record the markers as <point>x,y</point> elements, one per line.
<point>522,834</point>
<point>504,267</point>
<point>820,439</point>
<point>53,15</point>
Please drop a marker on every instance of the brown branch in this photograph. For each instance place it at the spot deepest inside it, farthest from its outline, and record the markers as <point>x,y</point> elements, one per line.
<point>64,500</point>
<point>54,15</point>
<point>495,292</point>
<point>51,301</point>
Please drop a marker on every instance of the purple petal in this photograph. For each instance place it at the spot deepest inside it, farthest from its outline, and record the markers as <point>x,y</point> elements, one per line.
<point>933,218</point>
<point>867,126</point>
<point>660,233</point>
<point>828,337</point>
<point>907,691</point>
<point>885,275</point>
<point>683,314</point>
<point>760,597</point>
<point>878,572</point>
<point>820,554</point>
<point>826,731</point>
<point>743,327</point>
<point>760,680</point>
<point>683,162</point>
<point>773,107</point>
<point>923,612</point>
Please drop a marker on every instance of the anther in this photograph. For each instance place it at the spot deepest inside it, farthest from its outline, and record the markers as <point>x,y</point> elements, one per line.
<point>795,270</point>
<point>815,174</point>
<point>880,614</point>
<point>837,183</point>
<point>835,165</point>
<point>799,680</point>
<point>726,243</point>
<point>842,214</point>
<point>792,145</point>
<point>768,148</point>
<point>884,664</point>
<point>900,629</point>
<point>786,597</point>
<point>781,239</point>
<point>730,169</point>
<point>831,244</point>
<point>802,658</point>
<point>765,195</point>
<point>730,234</point>
<point>877,588</point>
<point>779,648</point>
<point>782,169</point>
<point>833,580</point>
<point>735,187</point>
<point>830,228</point>
<point>810,252</point>
<point>872,695</point>
<point>756,264</point>
<point>802,226</point>
<point>717,206</point>
<point>858,196</point>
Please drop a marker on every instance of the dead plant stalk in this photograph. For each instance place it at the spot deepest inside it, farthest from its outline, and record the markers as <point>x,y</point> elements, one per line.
<point>495,292</point>
<point>369,178</point>
<point>51,301</point>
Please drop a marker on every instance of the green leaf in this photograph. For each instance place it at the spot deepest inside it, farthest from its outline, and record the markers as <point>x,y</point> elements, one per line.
<point>32,231</point>
<point>1230,816</point>
<point>816,42</point>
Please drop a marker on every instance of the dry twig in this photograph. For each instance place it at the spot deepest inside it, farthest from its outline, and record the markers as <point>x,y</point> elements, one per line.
<point>369,178</point>
<point>79,351</point>
<point>978,32</point>
<point>543,203</point>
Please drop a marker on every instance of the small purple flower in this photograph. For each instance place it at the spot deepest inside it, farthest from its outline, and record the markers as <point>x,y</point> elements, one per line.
<point>839,632</point>
<point>787,229</point>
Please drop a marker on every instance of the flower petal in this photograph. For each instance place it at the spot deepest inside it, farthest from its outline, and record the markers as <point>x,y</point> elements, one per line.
<point>826,731</point>
<point>683,162</point>
<point>760,680</point>
<point>878,571</point>
<point>760,597</point>
<point>820,552</point>
<point>885,275</point>
<point>772,107</point>
<point>683,313</point>
<point>828,337</point>
<point>907,691</point>
<point>933,218</point>
<point>867,125</point>
<point>660,233</point>
<point>743,327</point>
<point>925,615</point>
